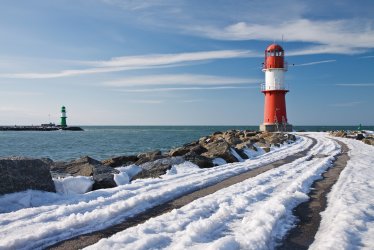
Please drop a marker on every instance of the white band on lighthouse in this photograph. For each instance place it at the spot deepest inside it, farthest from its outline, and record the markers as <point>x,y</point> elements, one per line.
<point>274,79</point>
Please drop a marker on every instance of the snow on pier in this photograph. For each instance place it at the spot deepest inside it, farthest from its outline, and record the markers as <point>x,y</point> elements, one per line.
<point>253,214</point>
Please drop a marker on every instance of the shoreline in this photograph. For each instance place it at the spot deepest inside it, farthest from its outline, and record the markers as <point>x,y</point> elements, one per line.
<point>39,128</point>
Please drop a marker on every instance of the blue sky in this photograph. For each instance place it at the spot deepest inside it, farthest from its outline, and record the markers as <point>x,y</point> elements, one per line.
<point>183,62</point>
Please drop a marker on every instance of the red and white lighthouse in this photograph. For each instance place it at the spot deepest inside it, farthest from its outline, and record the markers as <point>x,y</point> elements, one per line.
<point>275,115</point>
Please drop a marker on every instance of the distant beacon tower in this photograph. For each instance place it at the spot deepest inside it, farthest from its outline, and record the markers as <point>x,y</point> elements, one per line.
<point>275,115</point>
<point>63,117</point>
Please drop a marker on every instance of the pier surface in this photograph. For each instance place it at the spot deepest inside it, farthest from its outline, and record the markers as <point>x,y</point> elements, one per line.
<point>38,128</point>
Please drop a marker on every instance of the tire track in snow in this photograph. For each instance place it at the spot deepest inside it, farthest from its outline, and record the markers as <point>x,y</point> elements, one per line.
<point>91,238</point>
<point>308,213</point>
<point>248,215</point>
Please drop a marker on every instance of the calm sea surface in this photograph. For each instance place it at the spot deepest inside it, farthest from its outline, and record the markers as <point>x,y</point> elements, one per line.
<point>104,142</point>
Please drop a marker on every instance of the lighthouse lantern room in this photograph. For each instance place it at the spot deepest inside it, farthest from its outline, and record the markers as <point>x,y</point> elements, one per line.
<point>275,115</point>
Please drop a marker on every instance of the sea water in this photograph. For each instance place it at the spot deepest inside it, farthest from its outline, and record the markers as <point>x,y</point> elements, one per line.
<point>104,142</point>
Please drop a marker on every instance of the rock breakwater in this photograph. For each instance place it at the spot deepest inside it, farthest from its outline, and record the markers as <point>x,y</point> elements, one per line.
<point>212,150</point>
<point>364,136</point>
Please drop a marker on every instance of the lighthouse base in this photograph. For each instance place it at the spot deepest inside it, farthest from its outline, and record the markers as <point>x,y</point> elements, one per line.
<point>276,127</point>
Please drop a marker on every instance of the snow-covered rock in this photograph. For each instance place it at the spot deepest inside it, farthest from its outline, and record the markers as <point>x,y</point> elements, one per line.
<point>130,170</point>
<point>158,167</point>
<point>73,185</point>
<point>219,161</point>
<point>103,176</point>
<point>126,174</point>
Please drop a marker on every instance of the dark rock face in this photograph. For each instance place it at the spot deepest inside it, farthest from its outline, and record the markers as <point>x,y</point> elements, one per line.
<point>273,139</point>
<point>231,138</point>
<point>47,161</point>
<point>360,137</point>
<point>179,151</point>
<point>266,149</point>
<point>219,149</point>
<point>250,133</point>
<point>19,174</point>
<point>244,145</point>
<point>155,169</point>
<point>291,137</point>
<point>253,140</point>
<point>241,153</point>
<point>198,149</point>
<point>87,166</point>
<point>199,160</point>
<point>194,147</point>
<point>120,161</point>
<point>149,156</point>
<point>83,166</point>
<point>103,177</point>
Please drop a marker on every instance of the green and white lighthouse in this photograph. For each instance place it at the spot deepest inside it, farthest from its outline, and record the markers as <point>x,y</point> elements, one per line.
<point>63,117</point>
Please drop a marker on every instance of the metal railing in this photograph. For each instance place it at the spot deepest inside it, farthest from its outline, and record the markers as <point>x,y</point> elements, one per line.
<point>275,86</point>
<point>285,64</point>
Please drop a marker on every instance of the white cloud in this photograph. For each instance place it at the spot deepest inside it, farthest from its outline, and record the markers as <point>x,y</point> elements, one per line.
<point>297,21</point>
<point>137,62</point>
<point>325,49</point>
<point>186,89</point>
<point>140,4</point>
<point>336,36</point>
<point>179,79</point>
<point>168,59</point>
<point>181,82</point>
<point>314,63</point>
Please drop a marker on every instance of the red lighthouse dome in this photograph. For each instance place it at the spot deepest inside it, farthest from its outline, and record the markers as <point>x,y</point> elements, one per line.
<point>274,57</point>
